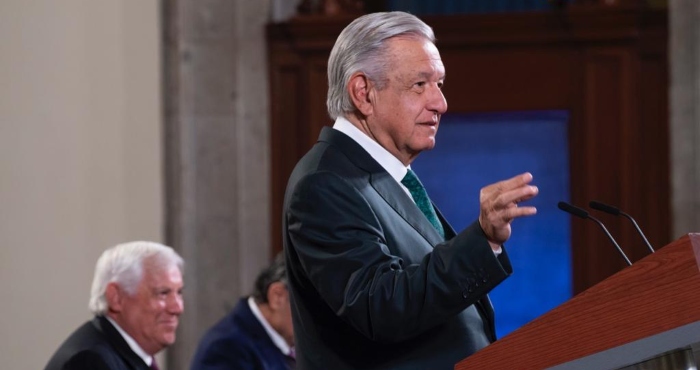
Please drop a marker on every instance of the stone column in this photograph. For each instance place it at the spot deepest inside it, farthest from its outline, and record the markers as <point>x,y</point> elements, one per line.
<point>684,55</point>
<point>217,155</point>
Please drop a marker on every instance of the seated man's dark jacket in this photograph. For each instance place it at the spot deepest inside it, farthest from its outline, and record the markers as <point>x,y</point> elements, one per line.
<point>373,284</point>
<point>238,341</point>
<point>96,345</point>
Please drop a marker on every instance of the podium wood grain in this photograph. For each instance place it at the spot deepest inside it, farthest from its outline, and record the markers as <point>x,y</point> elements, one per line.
<point>659,293</point>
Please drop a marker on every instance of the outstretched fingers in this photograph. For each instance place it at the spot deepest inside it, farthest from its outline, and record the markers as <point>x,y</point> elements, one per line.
<point>499,205</point>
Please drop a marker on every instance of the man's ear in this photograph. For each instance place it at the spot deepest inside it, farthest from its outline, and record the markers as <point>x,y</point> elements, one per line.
<point>276,295</point>
<point>114,296</point>
<point>360,90</point>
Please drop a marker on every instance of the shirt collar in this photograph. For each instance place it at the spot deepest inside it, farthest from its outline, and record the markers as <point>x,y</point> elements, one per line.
<point>274,335</point>
<point>148,359</point>
<point>391,164</point>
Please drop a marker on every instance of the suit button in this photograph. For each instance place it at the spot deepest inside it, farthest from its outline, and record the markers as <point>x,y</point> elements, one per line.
<point>465,294</point>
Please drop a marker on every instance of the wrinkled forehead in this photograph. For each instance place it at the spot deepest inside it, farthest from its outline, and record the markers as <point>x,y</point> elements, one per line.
<point>401,46</point>
<point>159,271</point>
<point>418,55</point>
<point>160,262</point>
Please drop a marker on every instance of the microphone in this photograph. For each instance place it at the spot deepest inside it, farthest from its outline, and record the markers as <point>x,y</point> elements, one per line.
<point>615,212</point>
<point>578,212</point>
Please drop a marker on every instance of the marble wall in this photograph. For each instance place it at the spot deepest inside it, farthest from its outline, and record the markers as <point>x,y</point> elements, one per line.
<point>684,51</point>
<point>217,155</point>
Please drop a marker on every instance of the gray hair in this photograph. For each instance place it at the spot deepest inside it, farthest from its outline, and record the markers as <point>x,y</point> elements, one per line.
<point>273,273</point>
<point>123,264</point>
<point>361,47</point>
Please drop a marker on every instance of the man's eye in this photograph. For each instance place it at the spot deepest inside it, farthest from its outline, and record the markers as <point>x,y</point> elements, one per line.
<point>420,83</point>
<point>440,84</point>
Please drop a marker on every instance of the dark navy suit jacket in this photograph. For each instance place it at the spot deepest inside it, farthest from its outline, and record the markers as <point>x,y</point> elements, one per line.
<point>373,284</point>
<point>96,345</point>
<point>238,341</point>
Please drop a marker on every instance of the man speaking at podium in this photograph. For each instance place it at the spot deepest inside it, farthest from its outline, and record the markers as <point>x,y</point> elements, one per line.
<point>378,278</point>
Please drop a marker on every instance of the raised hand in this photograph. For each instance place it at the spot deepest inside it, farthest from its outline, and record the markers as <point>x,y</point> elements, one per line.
<point>499,206</point>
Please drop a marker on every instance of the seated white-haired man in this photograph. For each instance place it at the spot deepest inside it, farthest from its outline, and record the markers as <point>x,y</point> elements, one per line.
<point>136,298</point>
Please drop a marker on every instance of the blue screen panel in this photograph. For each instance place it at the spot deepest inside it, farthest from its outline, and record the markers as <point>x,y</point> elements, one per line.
<point>474,150</point>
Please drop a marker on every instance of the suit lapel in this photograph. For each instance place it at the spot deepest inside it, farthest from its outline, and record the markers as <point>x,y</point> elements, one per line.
<point>402,204</point>
<point>119,344</point>
<point>384,184</point>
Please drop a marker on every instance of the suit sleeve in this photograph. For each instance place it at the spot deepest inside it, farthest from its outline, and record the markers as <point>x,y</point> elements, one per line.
<point>343,251</point>
<point>226,355</point>
<point>87,360</point>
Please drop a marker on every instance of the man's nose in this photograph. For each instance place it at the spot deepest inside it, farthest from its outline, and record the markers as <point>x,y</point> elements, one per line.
<point>437,102</point>
<point>176,305</point>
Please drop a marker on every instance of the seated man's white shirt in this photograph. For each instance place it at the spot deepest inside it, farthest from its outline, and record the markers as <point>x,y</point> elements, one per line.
<point>274,335</point>
<point>148,359</point>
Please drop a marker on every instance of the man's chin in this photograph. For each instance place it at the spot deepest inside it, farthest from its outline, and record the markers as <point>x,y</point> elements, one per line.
<point>428,145</point>
<point>168,339</point>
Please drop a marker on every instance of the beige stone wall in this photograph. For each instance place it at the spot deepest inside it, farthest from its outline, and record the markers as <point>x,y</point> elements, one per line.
<point>217,161</point>
<point>684,50</point>
<point>80,158</point>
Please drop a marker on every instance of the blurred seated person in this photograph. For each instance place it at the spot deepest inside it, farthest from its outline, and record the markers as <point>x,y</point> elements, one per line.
<point>136,299</point>
<point>257,334</point>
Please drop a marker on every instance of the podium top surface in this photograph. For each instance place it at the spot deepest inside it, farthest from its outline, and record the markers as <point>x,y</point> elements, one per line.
<point>657,299</point>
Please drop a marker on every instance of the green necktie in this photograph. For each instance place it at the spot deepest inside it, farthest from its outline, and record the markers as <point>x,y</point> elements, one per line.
<point>420,196</point>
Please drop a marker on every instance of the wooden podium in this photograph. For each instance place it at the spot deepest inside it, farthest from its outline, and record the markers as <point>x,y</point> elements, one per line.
<point>644,311</point>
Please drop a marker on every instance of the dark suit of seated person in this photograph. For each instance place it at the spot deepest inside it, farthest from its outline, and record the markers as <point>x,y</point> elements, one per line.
<point>136,298</point>
<point>257,334</point>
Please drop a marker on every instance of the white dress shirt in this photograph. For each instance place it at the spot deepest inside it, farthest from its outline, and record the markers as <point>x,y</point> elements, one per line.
<point>148,359</point>
<point>274,335</point>
<point>391,164</point>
